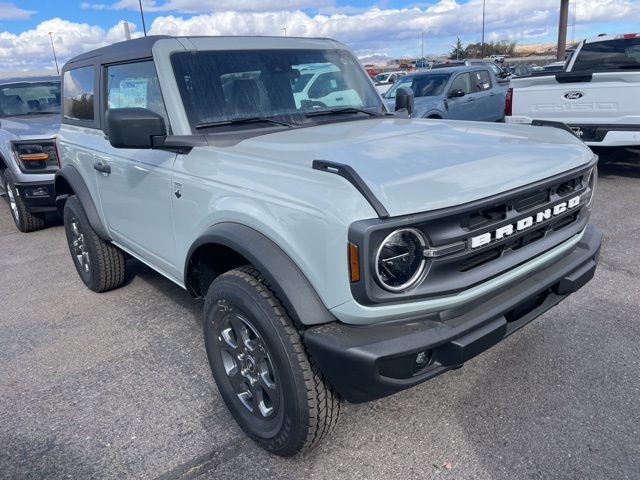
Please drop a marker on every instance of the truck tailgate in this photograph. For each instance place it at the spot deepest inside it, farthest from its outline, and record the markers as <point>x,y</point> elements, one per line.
<point>607,98</point>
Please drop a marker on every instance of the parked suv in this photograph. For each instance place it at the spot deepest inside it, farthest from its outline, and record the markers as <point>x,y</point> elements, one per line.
<point>29,121</point>
<point>334,261</point>
<point>460,93</point>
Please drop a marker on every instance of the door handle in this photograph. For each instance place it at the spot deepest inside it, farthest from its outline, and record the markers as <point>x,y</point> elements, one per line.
<point>102,167</point>
<point>470,99</point>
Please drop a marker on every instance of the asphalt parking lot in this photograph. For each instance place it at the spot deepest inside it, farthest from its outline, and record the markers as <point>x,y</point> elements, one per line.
<point>117,385</point>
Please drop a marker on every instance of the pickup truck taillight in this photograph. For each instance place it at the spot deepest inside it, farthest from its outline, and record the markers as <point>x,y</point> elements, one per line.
<point>508,103</point>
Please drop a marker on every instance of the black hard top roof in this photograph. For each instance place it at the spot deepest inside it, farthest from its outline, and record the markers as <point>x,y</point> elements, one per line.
<point>129,49</point>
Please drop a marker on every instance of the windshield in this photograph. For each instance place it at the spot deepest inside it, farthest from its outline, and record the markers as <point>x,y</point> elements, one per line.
<point>621,54</point>
<point>422,85</point>
<point>222,86</point>
<point>26,98</point>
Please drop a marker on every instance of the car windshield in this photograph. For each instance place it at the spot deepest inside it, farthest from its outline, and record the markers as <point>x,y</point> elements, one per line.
<point>422,85</point>
<point>27,98</point>
<point>620,54</point>
<point>222,88</point>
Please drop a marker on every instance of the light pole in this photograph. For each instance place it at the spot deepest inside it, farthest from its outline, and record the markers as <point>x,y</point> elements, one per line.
<point>284,30</point>
<point>482,44</point>
<point>422,35</point>
<point>54,52</point>
<point>144,27</point>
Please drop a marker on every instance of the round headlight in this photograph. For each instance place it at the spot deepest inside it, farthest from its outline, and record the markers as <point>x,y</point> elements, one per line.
<point>400,259</point>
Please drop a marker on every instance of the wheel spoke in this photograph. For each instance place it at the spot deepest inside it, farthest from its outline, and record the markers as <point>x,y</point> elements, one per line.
<point>240,328</point>
<point>263,401</point>
<point>228,340</point>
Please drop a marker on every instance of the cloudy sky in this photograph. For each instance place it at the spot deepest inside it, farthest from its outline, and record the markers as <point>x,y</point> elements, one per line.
<point>390,27</point>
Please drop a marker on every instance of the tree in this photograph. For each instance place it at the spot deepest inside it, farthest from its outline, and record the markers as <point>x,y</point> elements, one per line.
<point>458,52</point>
<point>503,47</point>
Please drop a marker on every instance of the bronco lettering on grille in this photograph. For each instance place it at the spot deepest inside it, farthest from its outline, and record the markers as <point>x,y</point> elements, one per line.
<point>524,223</point>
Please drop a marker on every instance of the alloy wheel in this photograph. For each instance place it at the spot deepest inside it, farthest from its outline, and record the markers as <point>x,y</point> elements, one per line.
<point>79,247</point>
<point>13,204</point>
<point>247,364</point>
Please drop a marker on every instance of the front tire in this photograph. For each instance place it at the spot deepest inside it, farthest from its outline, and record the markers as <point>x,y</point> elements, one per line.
<point>25,221</point>
<point>268,382</point>
<point>101,265</point>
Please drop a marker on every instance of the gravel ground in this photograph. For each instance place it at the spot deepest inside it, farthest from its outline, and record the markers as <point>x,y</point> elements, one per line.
<point>117,385</point>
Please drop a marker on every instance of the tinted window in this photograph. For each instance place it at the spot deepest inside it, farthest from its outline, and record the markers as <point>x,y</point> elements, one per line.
<point>217,86</point>
<point>135,85</point>
<point>422,85</point>
<point>25,98</point>
<point>78,94</point>
<point>462,82</point>
<point>481,81</point>
<point>609,55</point>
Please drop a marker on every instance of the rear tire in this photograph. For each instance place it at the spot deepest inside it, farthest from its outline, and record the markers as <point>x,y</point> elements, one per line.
<point>271,386</point>
<point>100,264</point>
<point>25,221</point>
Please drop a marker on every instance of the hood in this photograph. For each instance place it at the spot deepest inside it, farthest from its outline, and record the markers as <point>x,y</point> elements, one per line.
<point>414,165</point>
<point>32,126</point>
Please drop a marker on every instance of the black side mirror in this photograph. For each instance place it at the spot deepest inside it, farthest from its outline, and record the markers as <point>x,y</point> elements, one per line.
<point>456,93</point>
<point>404,99</point>
<point>135,128</point>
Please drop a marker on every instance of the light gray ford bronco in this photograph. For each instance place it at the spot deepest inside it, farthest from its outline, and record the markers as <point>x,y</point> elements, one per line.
<point>336,260</point>
<point>29,121</point>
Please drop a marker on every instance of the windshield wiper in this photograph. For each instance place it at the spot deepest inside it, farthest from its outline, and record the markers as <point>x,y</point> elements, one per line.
<point>238,121</point>
<point>317,113</point>
<point>29,113</point>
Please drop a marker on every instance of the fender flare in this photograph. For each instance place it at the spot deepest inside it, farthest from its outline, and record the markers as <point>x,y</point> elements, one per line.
<point>72,176</point>
<point>285,278</point>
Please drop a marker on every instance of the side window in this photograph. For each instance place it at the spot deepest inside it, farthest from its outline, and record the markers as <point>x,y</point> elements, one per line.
<point>462,82</point>
<point>481,80</point>
<point>135,85</point>
<point>78,94</point>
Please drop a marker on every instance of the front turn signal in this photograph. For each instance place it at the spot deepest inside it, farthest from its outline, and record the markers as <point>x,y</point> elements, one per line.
<point>354,263</point>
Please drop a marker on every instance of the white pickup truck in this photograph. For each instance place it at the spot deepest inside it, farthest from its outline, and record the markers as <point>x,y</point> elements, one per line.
<point>597,96</point>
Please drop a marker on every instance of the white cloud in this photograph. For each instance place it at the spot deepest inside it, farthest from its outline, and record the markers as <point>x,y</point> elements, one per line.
<point>31,50</point>
<point>93,6</point>
<point>9,11</point>
<point>208,6</point>
<point>380,30</point>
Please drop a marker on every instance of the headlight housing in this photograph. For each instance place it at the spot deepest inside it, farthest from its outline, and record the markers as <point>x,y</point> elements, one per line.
<point>36,157</point>
<point>591,180</point>
<point>400,260</point>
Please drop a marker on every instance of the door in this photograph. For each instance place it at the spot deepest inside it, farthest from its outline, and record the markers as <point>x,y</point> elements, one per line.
<point>489,105</point>
<point>135,185</point>
<point>462,108</point>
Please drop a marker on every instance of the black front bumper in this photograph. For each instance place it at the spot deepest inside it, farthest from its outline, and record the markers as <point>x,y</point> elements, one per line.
<point>368,362</point>
<point>38,197</point>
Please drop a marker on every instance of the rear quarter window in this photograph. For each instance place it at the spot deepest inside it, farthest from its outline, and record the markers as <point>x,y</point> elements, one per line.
<point>610,55</point>
<point>78,95</point>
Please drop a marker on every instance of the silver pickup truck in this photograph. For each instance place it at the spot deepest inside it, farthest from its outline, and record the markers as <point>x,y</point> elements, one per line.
<point>29,121</point>
<point>335,261</point>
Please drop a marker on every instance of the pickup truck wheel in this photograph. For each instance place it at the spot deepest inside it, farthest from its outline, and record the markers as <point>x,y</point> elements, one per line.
<point>25,221</point>
<point>101,266</point>
<point>271,386</point>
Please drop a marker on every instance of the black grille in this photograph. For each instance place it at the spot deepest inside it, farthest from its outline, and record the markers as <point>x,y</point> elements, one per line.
<point>467,267</point>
